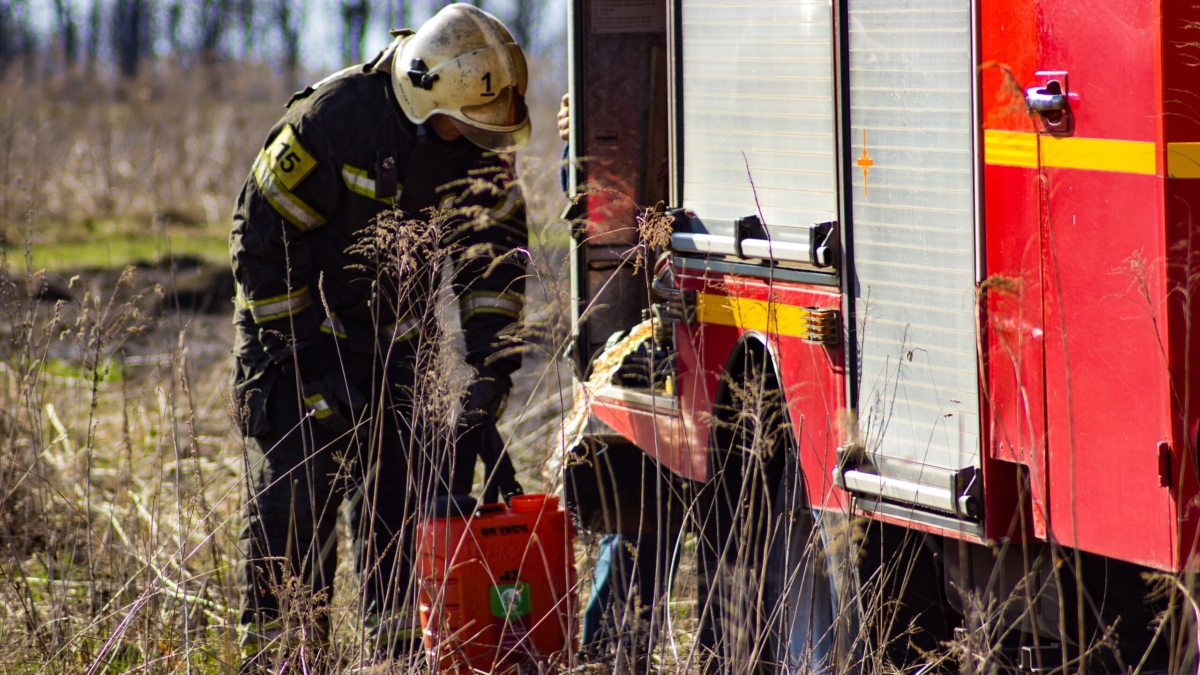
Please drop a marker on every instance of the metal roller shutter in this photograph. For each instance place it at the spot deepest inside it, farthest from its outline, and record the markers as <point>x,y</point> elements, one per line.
<point>912,124</point>
<point>758,80</point>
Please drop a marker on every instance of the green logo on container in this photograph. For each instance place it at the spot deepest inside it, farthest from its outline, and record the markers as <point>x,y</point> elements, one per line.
<point>511,601</point>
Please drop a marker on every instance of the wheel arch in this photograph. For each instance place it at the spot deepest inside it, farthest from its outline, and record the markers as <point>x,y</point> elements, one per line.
<point>734,370</point>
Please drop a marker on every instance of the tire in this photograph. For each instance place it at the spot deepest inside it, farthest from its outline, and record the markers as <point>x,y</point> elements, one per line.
<point>812,586</point>
<point>772,595</point>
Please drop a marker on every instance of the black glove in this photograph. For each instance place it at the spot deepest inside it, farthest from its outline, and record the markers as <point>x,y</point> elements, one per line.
<point>478,437</point>
<point>485,398</point>
<point>330,397</point>
<point>484,441</point>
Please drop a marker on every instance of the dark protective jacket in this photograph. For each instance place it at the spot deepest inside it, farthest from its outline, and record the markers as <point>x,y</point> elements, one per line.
<point>324,175</point>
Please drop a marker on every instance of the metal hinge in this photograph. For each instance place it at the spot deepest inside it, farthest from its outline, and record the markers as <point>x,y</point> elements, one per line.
<point>1164,464</point>
<point>820,325</point>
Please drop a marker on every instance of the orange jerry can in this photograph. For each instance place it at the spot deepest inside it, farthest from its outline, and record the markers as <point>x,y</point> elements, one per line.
<point>497,583</point>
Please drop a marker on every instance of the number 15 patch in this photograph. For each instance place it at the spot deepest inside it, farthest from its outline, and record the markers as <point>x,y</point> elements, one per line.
<point>287,159</point>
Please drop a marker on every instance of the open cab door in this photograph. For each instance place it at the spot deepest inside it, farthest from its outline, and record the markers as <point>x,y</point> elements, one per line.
<point>623,346</point>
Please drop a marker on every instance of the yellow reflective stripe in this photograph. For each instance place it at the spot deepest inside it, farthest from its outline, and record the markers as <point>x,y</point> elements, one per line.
<point>1008,148</point>
<point>320,408</point>
<point>1012,148</point>
<point>333,326</point>
<point>747,314</point>
<point>395,332</point>
<point>483,302</point>
<point>278,307</point>
<point>406,329</point>
<point>1183,160</point>
<point>359,182</point>
<point>1100,154</point>
<point>287,204</point>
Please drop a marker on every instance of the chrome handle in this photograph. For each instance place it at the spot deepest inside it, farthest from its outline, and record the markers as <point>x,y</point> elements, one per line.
<point>1047,99</point>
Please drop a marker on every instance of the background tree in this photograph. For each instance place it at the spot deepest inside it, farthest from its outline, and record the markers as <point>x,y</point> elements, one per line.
<point>526,23</point>
<point>399,14</point>
<point>245,12</point>
<point>68,32</point>
<point>213,15</point>
<point>16,36</point>
<point>132,28</point>
<point>355,15</point>
<point>93,38</point>
<point>289,16</point>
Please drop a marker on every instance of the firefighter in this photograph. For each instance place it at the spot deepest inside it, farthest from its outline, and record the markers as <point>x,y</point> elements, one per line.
<point>324,365</point>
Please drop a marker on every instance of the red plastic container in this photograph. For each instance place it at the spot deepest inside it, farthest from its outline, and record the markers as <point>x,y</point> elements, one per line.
<point>498,586</point>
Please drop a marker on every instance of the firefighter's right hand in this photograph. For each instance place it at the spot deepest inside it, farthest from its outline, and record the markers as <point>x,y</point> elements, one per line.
<point>564,118</point>
<point>485,397</point>
<point>329,397</point>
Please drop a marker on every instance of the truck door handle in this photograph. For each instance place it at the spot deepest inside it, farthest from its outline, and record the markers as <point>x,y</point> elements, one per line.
<point>1046,99</point>
<point>1052,107</point>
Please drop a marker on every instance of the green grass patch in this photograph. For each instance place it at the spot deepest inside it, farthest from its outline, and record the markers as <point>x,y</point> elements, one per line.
<point>109,372</point>
<point>121,250</point>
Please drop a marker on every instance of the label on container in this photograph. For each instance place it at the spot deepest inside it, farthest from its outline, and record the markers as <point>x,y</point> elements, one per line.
<point>511,601</point>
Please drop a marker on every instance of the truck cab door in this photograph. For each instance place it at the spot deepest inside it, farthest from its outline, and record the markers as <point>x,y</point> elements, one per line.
<point>618,152</point>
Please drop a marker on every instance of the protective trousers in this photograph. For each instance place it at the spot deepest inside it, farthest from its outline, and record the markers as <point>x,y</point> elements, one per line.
<point>299,473</point>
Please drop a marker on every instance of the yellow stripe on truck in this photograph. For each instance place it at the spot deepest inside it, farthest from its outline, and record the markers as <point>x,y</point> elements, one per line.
<point>1183,160</point>
<point>811,324</point>
<point>1011,148</point>
<point>1098,154</point>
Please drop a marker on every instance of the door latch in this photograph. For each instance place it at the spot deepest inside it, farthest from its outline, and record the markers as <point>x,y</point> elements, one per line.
<point>1050,104</point>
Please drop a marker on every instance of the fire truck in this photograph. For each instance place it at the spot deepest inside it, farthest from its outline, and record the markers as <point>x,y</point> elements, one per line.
<point>947,250</point>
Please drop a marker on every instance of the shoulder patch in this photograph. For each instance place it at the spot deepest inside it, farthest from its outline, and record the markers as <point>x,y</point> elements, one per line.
<point>287,158</point>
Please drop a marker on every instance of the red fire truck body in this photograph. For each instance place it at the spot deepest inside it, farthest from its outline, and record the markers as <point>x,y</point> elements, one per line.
<point>994,204</point>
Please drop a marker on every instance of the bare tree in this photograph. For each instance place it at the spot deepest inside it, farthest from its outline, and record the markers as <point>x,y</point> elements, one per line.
<point>174,22</point>
<point>132,28</point>
<point>213,14</point>
<point>399,14</point>
<point>290,16</point>
<point>245,11</point>
<point>16,35</point>
<point>93,38</point>
<point>525,23</point>
<point>68,32</point>
<point>355,14</point>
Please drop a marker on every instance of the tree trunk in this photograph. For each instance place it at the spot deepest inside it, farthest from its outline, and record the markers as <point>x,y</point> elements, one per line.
<point>246,14</point>
<point>64,17</point>
<point>131,14</point>
<point>525,23</point>
<point>93,39</point>
<point>290,16</point>
<point>399,14</point>
<point>213,14</point>
<point>355,14</point>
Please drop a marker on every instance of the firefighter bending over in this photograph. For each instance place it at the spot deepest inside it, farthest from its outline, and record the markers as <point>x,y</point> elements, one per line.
<point>324,358</point>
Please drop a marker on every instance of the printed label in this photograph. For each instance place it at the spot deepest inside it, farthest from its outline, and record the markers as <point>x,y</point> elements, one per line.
<point>511,601</point>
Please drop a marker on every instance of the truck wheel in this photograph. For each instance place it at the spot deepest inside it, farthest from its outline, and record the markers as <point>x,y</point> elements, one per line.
<point>769,586</point>
<point>812,585</point>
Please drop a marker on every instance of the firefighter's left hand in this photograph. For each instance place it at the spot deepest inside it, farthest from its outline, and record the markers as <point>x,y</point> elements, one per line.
<point>485,397</point>
<point>564,118</point>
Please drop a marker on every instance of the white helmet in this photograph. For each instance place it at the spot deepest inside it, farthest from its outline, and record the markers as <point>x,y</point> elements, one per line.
<point>463,63</point>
